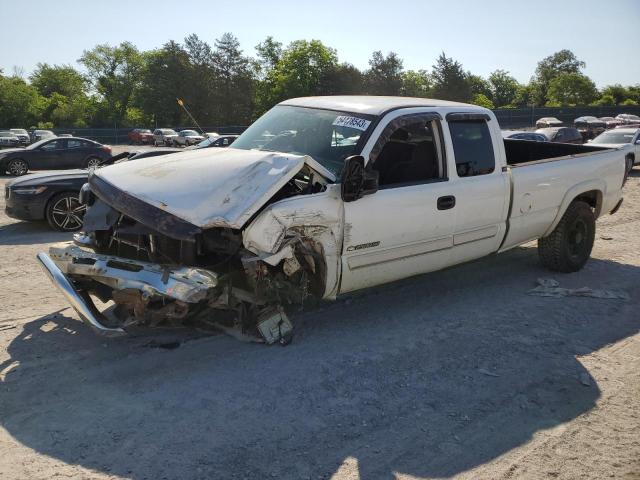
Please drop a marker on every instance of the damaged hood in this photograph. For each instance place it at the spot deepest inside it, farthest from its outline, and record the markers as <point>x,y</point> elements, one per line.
<point>209,187</point>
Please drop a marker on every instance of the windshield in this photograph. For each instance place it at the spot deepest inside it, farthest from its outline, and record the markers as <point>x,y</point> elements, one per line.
<point>19,130</point>
<point>189,132</point>
<point>613,137</point>
<point>327,136</point>
<point>168,132</point>
<point>6,134</point>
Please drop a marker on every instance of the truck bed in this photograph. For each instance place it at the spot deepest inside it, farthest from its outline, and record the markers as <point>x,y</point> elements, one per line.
<point>545,177</point>
<point>525,151</point>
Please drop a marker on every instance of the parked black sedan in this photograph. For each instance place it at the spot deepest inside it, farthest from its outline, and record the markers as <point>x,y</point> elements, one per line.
<point>54,196</point>
<point>54,154</point>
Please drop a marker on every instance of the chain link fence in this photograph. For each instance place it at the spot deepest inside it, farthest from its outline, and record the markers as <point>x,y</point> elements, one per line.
<point>509,118</point>
<point>526,117</point>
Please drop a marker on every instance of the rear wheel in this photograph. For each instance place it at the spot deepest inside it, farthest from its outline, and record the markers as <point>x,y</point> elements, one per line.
<point>65,212</point>
<point>569,246</point>
<point>17,167</point>
<point>93,162</point>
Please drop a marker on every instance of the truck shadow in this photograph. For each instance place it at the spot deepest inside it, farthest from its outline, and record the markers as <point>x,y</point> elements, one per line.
<point>429,377</point>
<point>30,233</point>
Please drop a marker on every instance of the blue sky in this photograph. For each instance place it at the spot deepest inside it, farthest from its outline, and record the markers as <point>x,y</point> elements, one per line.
<point>483,35</point>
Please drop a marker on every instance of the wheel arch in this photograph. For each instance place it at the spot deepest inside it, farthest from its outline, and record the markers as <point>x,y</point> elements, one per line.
<point>591,192</point>
<point>11,159</point>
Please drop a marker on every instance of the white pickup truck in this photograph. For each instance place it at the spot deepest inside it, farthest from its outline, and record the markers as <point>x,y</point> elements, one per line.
<point>319,197</point>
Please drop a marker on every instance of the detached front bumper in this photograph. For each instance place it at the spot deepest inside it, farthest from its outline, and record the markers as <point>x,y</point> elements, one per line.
<point>70,267</point>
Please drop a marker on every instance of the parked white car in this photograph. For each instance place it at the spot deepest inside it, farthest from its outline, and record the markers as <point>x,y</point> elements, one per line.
<point>289,213</point>
<point>164,137</point>
<point>22,134</point>
<point>186,138</point>
<point>628,138</point>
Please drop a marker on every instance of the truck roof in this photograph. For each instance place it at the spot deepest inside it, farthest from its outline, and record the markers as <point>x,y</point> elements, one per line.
<point>370,104</point>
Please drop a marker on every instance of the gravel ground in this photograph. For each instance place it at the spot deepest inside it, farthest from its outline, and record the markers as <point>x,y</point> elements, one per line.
<point>459,374</point>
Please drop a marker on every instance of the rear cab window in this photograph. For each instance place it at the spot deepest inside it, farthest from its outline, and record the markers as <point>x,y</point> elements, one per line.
<point>472,147</point>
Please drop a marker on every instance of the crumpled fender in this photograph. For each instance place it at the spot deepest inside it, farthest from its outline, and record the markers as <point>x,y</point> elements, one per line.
<point>319,217</point>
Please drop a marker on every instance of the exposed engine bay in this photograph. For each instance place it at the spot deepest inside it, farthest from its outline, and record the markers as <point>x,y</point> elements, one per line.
<point>152,268</point>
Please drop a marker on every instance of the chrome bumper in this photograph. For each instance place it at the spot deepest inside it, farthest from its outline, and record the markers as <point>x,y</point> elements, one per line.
<point>186,284</point>
<point>85,312</point>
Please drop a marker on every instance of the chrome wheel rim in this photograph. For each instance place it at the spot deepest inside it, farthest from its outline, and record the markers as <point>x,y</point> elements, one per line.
<point>17,167</point>
<point>67,213</point>
<point>93,163</point>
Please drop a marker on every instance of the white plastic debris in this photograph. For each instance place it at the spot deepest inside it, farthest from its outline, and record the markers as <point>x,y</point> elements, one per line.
<point>548,287</point>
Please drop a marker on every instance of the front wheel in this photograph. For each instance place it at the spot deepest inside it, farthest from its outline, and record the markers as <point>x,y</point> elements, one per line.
<point>569,246</point>
<point>17,167</point>
<point>65,212</point>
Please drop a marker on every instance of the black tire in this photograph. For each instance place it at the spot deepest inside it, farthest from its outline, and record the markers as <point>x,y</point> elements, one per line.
<point>569,246</point>
<point>64,212</point>
<point>17,167</point>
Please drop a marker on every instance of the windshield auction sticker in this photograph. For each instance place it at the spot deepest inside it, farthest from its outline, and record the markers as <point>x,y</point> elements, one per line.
<point>352,122</point>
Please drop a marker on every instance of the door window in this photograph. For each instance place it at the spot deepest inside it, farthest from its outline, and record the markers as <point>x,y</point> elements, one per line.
<point>473,147</point>
<point>410,154</point>
<point>73,143</point>
<point>53,145</point>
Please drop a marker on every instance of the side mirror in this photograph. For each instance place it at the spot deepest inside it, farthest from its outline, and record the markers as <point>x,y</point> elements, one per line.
<point>357,180</point>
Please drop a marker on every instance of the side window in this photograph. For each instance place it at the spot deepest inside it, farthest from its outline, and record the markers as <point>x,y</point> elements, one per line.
<point>410,154</point>
<point>73,143</point>
<point>472,147</point>
<point>53,145</point>
<point>225,141</point>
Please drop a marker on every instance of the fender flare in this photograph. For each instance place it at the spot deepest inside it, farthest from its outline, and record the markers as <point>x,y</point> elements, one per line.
<point>598,186</point>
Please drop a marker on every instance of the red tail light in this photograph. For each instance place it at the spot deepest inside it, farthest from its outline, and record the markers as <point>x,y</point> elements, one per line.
<point>106,148</point>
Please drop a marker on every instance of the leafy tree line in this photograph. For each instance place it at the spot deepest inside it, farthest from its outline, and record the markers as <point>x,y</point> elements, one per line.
<point>222,86</point>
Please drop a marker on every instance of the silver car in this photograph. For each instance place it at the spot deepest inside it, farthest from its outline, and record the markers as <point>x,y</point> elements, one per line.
<point>186,138</point>
<point>9,139</point>
<point>22,134</point>
<point>164,137</point>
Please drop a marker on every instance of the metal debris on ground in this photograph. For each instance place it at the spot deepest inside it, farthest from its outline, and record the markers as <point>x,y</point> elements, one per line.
<point>548,287</point>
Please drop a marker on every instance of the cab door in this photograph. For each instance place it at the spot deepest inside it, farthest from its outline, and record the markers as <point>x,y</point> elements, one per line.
<point>481,186</point>
<point>406,227</point>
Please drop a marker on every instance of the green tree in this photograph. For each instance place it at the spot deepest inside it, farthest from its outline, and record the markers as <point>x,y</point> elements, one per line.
<point>450,82</point>
<point>65,91</point>
<point>572,89</point>
<point>482,100</point>
<point>301,71</point>
<point>525,96</point>
<point>562,62</point>
<point>114,73</point>
<point>617,92</point>
<point>167,75</point>
<point>235,79</point>
<point>384,76</point>
<point>634,93</point>
<point>416,83</point>
<point>605,100</point>
<point>504,88</point>
<point>479,85</point>
<point>62,79</point>
<point>343,79</point>
<point>269,54</point>
<point>20,103</point>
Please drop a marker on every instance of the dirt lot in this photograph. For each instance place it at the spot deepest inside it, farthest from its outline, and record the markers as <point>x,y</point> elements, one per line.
<point>454,374</point>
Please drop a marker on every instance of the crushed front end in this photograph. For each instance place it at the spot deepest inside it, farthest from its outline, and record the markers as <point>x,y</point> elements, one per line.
<point>141,265</point>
